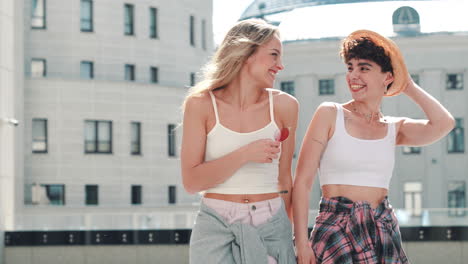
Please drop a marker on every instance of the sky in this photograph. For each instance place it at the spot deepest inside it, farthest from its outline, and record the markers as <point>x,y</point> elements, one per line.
<point>225,15</point>
<point>435,16</point>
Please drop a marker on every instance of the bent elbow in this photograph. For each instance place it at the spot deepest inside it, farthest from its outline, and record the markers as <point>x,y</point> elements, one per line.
<point>189,185</point>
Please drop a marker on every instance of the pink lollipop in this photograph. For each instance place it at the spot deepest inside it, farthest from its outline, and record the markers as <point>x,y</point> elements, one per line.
<point>282,135</point>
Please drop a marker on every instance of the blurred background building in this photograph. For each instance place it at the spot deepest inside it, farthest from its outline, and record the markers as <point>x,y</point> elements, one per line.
<point>90,100</point>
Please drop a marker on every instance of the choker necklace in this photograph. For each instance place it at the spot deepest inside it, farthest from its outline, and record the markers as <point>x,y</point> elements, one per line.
<point>368,117</point>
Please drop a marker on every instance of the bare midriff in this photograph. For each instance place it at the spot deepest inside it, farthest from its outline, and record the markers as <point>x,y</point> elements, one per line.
<point>373,195</point>
<point>242,198</point>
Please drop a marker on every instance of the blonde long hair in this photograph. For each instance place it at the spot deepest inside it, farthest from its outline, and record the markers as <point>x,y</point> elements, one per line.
<point>240,43</point>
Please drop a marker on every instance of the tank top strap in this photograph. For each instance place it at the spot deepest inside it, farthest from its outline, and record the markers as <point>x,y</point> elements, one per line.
<point>270,98</point>
<point>339,123</point>
<point>215,107</point>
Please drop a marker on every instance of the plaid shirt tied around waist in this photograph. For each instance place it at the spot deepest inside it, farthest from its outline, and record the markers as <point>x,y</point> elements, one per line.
<point>354,232</point>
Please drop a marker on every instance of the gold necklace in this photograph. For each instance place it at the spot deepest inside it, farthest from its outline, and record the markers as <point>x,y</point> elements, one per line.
<point>368,117</point>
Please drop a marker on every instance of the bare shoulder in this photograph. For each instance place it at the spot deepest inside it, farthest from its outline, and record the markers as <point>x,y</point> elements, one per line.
<point>284,101</point>
<point>199,105</point>
<point>326,109</point>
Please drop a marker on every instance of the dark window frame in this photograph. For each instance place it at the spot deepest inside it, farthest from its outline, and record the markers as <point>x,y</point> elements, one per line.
<point>132,70</point>
<point>46,140</point>
<point>451,84</point>
<point>171,140</point>
<point>96,140</point>
<point>154,74</point>
<point>153,23</point>
<point>459,197</point>
<point>138,142</point>
<point>90,21</point>
<point>88,198</point>
<point>129,26</point>
<point>48,193</point>
<point>91,74</point>
<point>192,31</point>
<point>288,87</point>
<point>458,142</point>
<point>44,72</point>
<point>136,195</point>
<point>327,87</point>
<point>192,79</point>
<point>44,18</point>
<point>172,194</point>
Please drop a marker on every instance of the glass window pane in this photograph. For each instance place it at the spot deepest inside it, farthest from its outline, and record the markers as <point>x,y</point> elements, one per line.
<point>192,30</point>
<point>135,138</point>
<point>153,23</point>
<point>55,194</point>
<point>39,135</point>
<point>38,68</point>
<point>171,140</point>
<point>86,70</point>
<point>86,15</point>
<point>38,14</point>
<point>91,195</point>
<point>128,19</point>
<point>136,194</point>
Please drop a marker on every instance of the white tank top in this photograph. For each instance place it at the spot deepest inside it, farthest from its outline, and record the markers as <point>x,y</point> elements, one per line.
<point>252,178</point>
<point>353,161</point>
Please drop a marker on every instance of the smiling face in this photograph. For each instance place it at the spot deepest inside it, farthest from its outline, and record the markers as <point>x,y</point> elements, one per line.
<point>265,63</point>
<point>365,79</point>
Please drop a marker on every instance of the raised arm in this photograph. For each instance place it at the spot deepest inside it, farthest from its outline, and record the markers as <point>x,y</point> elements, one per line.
<point>421,132</point>
<point>288,108</point>
<point>314,144</point>
<point>199,175</point>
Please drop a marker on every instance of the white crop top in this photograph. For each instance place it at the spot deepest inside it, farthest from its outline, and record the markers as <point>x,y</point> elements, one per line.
<point>353,161</point>
<point>252,178</point>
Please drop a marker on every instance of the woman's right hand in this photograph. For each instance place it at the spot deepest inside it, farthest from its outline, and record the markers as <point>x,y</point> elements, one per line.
<point>262,151</point>
<point>305,255</point>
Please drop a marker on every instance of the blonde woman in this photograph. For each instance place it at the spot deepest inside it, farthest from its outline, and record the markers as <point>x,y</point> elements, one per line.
<point>230,153</point>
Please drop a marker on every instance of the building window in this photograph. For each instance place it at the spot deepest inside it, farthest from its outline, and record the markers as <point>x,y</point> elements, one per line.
<point>203,34</point>
<point>38,14</point>
<point>455,81</point>
<point>86,15</point>
<point>136,138</point>
<point>192,31</point>
<point>129,72</point>
<point>413,198</point>
<point>48,194</point>
<point>98,136</point>
<point>415,78</point>
<point>288,87</point>
<point>172,194</point>
<point>154,72</point>
<point>456,137</point>
<point>192,79</point>
<point>39,135</point>
<point>87,70</point>
<point>136,194</point>
<point>129,20</point>
<point>171,144</point>
<point>456,198</point>
<point>411,150</point>
<point>91,195</point>
<point>153,22</point>
<point>38,68</point>
<point>327,87</point>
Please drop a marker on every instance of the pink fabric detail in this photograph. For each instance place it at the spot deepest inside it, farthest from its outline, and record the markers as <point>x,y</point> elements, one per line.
<point>253,214</point>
